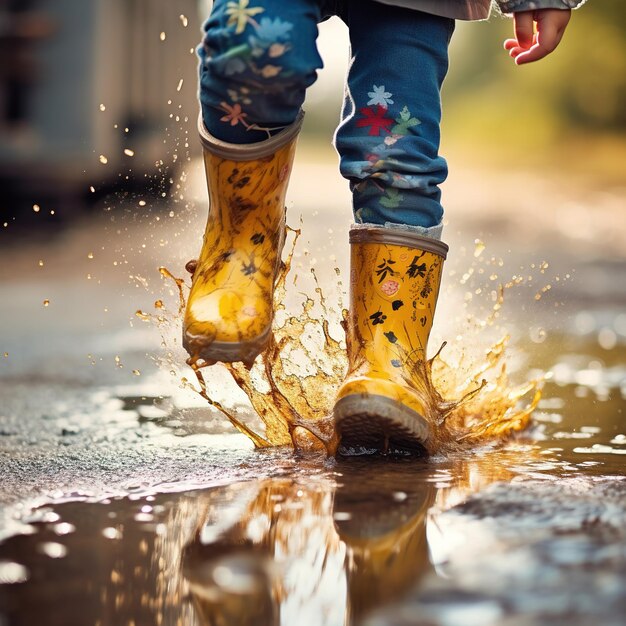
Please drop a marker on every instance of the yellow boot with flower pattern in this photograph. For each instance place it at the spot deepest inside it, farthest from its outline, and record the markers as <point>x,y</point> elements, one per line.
<point>229,310</point>
<point>394,285</point>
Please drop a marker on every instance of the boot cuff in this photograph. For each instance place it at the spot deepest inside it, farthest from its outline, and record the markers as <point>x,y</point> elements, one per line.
<point>362,233</point>
<point>249,151</point>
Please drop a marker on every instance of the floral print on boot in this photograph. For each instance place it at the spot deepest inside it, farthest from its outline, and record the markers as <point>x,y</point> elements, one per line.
<point>229,309</point>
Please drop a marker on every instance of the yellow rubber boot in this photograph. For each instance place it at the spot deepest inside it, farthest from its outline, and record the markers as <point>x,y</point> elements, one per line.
<point>229,309</point>
<point>394,284</point>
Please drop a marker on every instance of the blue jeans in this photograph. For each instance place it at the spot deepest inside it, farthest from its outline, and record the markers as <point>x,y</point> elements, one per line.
<point>258,57</point>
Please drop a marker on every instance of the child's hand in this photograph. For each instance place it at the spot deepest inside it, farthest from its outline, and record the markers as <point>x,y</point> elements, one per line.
<point>530,45</point>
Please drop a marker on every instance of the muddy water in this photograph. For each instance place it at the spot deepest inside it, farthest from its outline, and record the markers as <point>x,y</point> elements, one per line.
<point>328,541</point>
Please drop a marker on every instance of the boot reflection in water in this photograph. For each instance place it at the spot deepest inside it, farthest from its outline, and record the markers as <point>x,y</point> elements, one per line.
<point>257,60</point>
<point>380,515</point>
<point>312,551</point>
<point>279,561</point>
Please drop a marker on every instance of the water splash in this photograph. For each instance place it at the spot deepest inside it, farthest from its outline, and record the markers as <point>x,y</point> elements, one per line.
<point>469,401</point>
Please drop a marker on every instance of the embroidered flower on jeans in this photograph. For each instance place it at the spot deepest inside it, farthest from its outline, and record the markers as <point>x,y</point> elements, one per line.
<point>374,120</point>
<point>380,97</point>
<point>234,114</point>
<point>270,35</point>
<point>239,14</point>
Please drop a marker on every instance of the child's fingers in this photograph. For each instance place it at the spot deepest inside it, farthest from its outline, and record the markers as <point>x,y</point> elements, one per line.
<point>524,28</point>
<point>548,39</point>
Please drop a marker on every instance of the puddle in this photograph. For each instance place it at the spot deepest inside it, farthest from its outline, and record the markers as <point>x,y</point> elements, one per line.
<point>323,541</point>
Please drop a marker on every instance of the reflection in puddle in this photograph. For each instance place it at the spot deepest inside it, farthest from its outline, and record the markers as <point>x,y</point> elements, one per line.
<point>318,543</point>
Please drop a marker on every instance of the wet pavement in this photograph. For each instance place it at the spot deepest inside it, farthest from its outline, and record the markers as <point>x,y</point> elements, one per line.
<point>126,500</point>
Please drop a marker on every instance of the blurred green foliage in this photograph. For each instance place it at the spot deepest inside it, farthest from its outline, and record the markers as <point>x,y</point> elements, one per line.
<point>577,93</point>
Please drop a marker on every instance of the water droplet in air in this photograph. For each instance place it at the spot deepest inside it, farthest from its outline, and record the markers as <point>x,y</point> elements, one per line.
<point>184,21</point>
<point>538,334</point>
<point>479,247</point>
<point>53,549</point>
<point>607,339</point>
<point>102,107</point>
<point>180,86</point>
<point>40,263</point>
<point>90,255</point>
<point>129,152</point>
<point>136,372</point>
<point>12,573</point>
<point>46,302</point>
<point>103,159</point>
<point>36,208</point>
<point>162,36</point>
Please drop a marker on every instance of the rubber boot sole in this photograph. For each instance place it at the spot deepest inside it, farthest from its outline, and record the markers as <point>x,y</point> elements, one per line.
<point>226,351</point>
<point>369,424</point>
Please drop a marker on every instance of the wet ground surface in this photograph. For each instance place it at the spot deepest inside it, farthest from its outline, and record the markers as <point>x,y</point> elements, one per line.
<point>125,500</point>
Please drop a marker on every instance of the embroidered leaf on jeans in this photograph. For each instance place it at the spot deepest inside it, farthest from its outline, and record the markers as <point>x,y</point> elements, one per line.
<point>392,199</point>
<point>271,30</point>
<point>403,122</point>
<point>375,120</point>
<point>269,70</point>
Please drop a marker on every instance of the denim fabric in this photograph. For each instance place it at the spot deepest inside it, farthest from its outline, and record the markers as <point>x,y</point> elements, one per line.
<point>258,57</point>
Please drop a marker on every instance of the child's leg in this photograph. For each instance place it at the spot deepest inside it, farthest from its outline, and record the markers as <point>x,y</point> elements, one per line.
<point>389,143</point>
<point>389,137</point>
<point>257,60</point>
